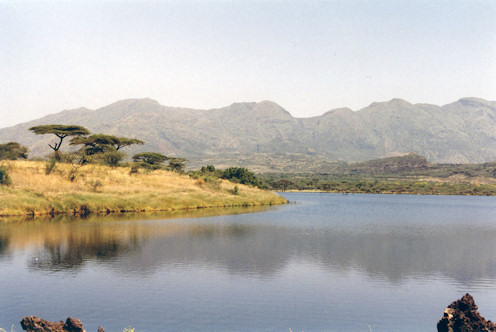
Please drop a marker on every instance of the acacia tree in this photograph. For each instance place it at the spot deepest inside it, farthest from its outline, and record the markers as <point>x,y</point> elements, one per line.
<point>150,158</point>
<point>13,151</point>
<point>176,164</point>
<point>122,142</point>
<point>61,131</point>
<point>104,147</point>
<point>283,184</point>
<point>100,142</point>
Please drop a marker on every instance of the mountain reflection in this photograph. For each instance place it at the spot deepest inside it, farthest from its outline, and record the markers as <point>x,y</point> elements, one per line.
<point>461,253</point>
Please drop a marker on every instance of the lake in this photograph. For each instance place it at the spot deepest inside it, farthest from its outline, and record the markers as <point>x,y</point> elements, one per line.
<point>324,262</point>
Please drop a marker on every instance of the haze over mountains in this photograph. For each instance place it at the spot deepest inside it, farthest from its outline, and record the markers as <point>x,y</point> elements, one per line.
<point>463,131</point>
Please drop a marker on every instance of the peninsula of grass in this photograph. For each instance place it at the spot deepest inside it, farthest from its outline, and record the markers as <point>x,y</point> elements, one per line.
<point>102,189</point>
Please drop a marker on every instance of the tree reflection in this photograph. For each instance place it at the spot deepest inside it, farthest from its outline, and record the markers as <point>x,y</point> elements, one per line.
<point>4,244</point>
<point>462,253</point>
<point>77,247</point>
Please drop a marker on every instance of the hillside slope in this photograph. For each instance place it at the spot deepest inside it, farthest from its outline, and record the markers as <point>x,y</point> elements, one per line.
<point>463,131</point>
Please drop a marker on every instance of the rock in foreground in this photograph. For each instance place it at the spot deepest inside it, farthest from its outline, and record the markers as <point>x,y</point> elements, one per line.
<point>36,324</point>
<point>462,315</point>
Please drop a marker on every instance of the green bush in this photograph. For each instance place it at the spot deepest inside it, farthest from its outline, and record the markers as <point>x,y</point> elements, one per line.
<point>4,177</point>
<point>207,169</point>
<point>13,151</point>
<point>241,175</point>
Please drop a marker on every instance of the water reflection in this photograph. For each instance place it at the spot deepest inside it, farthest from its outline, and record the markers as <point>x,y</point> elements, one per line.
<point>462,253</point>
<point>72,252</point>
<point>4,244</point>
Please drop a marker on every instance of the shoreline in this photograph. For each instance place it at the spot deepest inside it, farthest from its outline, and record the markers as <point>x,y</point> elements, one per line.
<point>386,193</point>
<point>82,212</point>
<point>104,190</point>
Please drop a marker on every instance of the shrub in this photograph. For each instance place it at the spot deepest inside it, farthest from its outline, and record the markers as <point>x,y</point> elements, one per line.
<point>13,151</point>
<point>212,181</point>
<point>4,177</point>
<point>207,169</point>
<point>95,185</point>
<point>241,175</point>
<point>111,158</point>
<point>50,166</point>
<point>134,169</point>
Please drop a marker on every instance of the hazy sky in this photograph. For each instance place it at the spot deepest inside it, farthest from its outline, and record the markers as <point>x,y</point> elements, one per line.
<point>308,56</point>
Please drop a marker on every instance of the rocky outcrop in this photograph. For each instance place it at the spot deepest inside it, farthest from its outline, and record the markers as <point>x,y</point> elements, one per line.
<point>36,324</point>
<point>462,315</point>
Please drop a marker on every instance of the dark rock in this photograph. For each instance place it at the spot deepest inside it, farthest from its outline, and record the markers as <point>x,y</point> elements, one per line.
<point>73,325</point>
<point>100,329</point>
<point>36,324</point>
<point>462,315</point>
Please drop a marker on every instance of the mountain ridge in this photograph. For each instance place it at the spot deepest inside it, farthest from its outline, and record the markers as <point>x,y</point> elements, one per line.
<point>462,131</point>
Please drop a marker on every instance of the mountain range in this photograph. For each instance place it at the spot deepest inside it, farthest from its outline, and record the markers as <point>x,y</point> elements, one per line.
<point>460,132</point>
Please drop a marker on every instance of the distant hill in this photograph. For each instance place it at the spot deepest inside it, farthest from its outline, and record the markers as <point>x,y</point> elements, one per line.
<point>392,165</point>
<point>255,133</point>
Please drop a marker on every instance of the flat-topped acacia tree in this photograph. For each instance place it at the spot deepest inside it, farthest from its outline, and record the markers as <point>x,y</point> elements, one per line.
<point>100,142</point>
<point>150,158</point>
<point>61,131</point>
<point>105,147</point>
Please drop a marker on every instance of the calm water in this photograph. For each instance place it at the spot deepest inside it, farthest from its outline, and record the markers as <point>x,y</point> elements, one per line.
<point>326,262</point>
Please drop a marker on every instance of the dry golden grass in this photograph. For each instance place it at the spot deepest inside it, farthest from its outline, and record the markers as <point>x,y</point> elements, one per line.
<point>101,188</point>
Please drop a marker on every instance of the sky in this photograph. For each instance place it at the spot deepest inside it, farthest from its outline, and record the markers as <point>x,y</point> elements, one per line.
<point>307,56</point>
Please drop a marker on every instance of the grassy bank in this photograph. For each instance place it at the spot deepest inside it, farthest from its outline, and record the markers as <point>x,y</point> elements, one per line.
<point>103,189</point>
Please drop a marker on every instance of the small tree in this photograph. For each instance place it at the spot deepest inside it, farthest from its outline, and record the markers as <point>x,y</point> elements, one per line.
<point>13,151</point>
<point>152,160</point>
<point>61,131</point>
<point>176,164</point>
<point>112,158</point>
<point>77,159</point>
<point>283,184</point>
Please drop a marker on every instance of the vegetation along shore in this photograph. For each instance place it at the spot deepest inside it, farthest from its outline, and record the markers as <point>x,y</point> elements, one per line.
<point>407,174</point>
<point>95,179</point>
<point>104,189</point>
